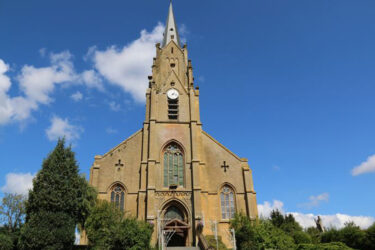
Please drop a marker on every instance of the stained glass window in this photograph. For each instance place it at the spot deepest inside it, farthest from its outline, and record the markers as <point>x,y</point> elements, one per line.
<point>174,213</point>
<point>118,197</point>
<point>173,166</point>
<point>227,203</point>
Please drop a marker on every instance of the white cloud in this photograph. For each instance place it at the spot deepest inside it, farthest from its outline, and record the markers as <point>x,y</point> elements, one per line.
<point>92,79</point>
<point>62,128</point>
<point>114,106</point>
<point>129,67</point>
<point>12,108</point>
<point>335,220</point>
<point>36,84</point>
<point>18,183</point>
<point>307,220</point>
<point>39,83</point>
<point>77,96</point>
<point>264,210</point>
<point>316,200</point>
<point>367,166</point>
<point>183,32</point>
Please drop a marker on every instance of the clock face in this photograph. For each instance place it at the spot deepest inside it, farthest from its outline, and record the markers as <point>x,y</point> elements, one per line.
<point>172,94</point>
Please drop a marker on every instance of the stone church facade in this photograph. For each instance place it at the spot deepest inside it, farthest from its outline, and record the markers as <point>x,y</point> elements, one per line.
<point>172,173</point>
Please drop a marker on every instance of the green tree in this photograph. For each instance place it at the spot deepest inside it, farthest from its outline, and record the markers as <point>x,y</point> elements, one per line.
<point>260,235</point>
<point>108,228</point>
<point>370,235</point>
<point>132,234</point>
<point>351,235</point>
<point>246,236</point>
<point>330,235</point>
<point>324,246</point>
<point>6,242</point>
<point>273,237</point>
<point>290,225</point>
<point>101,224</point>
<point>314,234</point>
<point>301,237</point>
<point>87,198</point>
<point>277,218</point>
<point>54,205</point>
<point>12,211</point>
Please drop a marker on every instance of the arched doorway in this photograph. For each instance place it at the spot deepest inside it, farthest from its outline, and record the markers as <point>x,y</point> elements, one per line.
<point>176,225</point>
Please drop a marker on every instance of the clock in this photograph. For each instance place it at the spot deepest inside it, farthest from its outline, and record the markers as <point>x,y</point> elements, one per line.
<point>172,94</point>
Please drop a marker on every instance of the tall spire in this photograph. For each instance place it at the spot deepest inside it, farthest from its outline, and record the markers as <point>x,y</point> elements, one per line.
<point>171,32</point>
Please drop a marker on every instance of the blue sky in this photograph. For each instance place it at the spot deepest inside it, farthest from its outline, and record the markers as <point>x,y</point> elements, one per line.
<point>288,84</point>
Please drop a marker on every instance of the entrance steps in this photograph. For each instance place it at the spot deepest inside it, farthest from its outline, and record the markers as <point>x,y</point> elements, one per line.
<point>183,248</point>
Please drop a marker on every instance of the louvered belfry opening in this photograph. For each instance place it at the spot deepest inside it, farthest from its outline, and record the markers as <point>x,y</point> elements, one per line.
<point>173,109</point>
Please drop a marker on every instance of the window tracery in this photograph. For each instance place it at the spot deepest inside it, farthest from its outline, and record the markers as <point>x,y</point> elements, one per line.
<point>227,202</point>
<point>173,166</point>
<point>118,197</point>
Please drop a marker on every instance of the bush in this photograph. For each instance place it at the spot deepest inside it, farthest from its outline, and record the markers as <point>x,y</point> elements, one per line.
<point>351,235</point>
<point>273,237</point>
<point>6,242</point>
<point>132,234</point>
<point>261,235</point>
<point>324,246</point>
<point>314,234</point>
<point>108,228</point>
<point>212,242</point>
<point>301,237</point>
<point>331,235</point>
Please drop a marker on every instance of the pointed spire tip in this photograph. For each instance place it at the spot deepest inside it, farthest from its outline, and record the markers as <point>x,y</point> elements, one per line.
<point>171,32</point>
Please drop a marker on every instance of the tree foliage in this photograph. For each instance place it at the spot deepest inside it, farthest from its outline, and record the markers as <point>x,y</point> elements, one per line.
<point>55,204</point>
<point>6,242</point>
<point>261,235</point>
<point>324,246</point>
<point>12,211</point>
<point>108,228</point>
<point>370,234</point>
<point>351,235</point>
<point>314,234</point>
<point>283,232</point>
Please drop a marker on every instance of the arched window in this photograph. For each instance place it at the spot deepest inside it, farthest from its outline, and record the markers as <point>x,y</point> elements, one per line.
<point>173,166</point>
<point>118,197</point>
<point>227,203</point>
<point>174,213</point>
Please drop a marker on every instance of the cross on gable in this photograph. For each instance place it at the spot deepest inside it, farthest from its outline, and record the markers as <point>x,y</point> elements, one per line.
<point>119,164</point>
<point>225,166</point>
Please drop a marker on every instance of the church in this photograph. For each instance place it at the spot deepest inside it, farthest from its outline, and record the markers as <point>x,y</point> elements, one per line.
<point>171,173</point>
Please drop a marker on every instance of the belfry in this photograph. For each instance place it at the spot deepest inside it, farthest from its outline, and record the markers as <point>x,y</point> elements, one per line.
<point>171,173</point>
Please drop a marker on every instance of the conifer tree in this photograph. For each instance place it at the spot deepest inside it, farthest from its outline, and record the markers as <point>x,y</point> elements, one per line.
<point>53,207</point>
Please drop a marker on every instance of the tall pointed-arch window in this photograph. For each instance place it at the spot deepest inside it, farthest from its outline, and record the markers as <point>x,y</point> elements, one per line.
<point>173,166</point>
<point>227,203</point>
<point>118,197</point>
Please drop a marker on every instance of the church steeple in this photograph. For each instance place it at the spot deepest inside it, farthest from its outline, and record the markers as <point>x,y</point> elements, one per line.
<point>171,33</point>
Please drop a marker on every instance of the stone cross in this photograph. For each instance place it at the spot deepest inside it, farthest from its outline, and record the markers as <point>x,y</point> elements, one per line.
<point>225,166</point>
<point>119,164</point>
